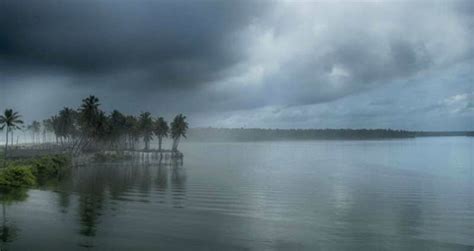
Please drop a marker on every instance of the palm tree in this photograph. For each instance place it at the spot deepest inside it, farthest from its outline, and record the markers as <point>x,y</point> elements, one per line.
<point>161,130</point>
<point>9,120</point>
<point>35,128</point>
<point>146,128</point>
<point>131,126</point>
<point>179,126</point>
<point>47,128</point>
<point>118,124</point>
<point>67,123</point>
<point>89,113</point>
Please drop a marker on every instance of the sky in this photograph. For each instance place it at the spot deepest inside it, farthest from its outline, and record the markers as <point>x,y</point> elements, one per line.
<point>270,64</point>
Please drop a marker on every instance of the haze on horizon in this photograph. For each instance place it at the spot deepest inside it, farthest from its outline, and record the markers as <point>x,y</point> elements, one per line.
<point>272,64</point>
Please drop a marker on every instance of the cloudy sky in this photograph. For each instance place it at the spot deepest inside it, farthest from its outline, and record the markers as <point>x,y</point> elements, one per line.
<point>278,64</point>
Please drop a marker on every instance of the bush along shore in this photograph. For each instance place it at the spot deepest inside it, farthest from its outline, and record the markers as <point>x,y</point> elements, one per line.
<point>30,172</point>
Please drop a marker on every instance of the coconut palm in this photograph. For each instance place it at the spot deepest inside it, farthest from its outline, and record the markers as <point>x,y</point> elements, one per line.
<point>131,127</point>
<point>47,128</point>
<point>35,128</point>
<point>146,128</point>
<point>89,114</point>
<point>64,125</point>
<point>179,126</point>
<point>118,124</point>
<point>10,120</point>
<point>161,130</point>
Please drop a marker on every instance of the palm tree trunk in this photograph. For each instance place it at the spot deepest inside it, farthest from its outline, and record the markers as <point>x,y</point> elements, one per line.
<point>159,143</point>
<point>6,149</point>
<point>175,144</point>
<point>147,144</point>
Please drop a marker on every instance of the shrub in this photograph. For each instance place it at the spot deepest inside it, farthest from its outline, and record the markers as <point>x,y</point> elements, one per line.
<point>27,172</point>
<point>49,166</point>
<point>17,176</point>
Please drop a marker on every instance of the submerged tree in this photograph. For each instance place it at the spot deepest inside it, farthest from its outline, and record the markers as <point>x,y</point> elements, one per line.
<point>146,128</point>
<point>161,130</point>
<point>179,126</point>
<point>10,120</point>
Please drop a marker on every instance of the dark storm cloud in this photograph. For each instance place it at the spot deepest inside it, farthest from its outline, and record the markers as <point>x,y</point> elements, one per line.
<point>230,62</point>
<point>172,43</point>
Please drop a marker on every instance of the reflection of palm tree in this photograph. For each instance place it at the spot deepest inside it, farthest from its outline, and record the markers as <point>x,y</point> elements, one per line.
<point>64,201</point>
<point>178,185</point>
<point>162,178</point>
<point>8,233</point>
<point>9,120</point>
<point>178,177</point>
<point>89,210</point>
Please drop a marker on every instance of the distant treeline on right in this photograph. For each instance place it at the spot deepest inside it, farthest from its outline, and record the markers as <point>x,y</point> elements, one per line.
<point>257,134</point>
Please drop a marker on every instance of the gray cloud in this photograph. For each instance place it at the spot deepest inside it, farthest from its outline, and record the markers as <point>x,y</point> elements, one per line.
<point>171,43</point>
<point>218,58</point>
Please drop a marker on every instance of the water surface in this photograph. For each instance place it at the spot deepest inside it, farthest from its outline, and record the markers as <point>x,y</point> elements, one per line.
<point>410,194</point>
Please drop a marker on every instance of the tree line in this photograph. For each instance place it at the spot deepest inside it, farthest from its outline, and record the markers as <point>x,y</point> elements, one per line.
<point>259,134</point>
<point>89,128</point>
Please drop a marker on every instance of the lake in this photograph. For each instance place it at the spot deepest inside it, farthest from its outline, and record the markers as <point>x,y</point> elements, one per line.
<point>404,194</point>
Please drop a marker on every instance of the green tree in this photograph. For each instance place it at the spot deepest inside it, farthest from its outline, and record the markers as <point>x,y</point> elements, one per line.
<point>35,129</point>
<point>118,124</point>
<point>65,125</point>
<point>179,126</point>
<point>161,130</point>
<point>47,128</point>
<point>89,115</point>
<point>133,132</point>
<point>146,128</point>
<point>10,120</point>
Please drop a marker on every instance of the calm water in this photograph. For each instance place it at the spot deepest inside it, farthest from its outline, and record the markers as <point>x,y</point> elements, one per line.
<point>415,194</point>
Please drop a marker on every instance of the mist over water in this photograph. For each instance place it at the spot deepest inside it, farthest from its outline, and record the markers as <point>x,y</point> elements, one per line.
<point>404,194</point>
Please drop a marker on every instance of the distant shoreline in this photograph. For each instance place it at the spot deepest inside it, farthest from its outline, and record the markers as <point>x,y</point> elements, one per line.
<point>259,134</point>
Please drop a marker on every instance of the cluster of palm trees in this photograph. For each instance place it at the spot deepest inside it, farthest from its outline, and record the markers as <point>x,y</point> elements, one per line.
<point>35,129</point>
<point>89,128</point>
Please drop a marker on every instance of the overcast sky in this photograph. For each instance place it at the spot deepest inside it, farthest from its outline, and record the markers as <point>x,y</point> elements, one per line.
<point>284,64</point>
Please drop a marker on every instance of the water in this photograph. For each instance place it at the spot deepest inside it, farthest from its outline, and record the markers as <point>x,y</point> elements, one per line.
<point>414,194</point>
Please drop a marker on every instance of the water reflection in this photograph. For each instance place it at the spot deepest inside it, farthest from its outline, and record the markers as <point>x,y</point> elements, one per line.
<point>9,232</point>
<point>162,178</point>
<point>107,188</point>
<point>276,196</point>
<point>178,185</point>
